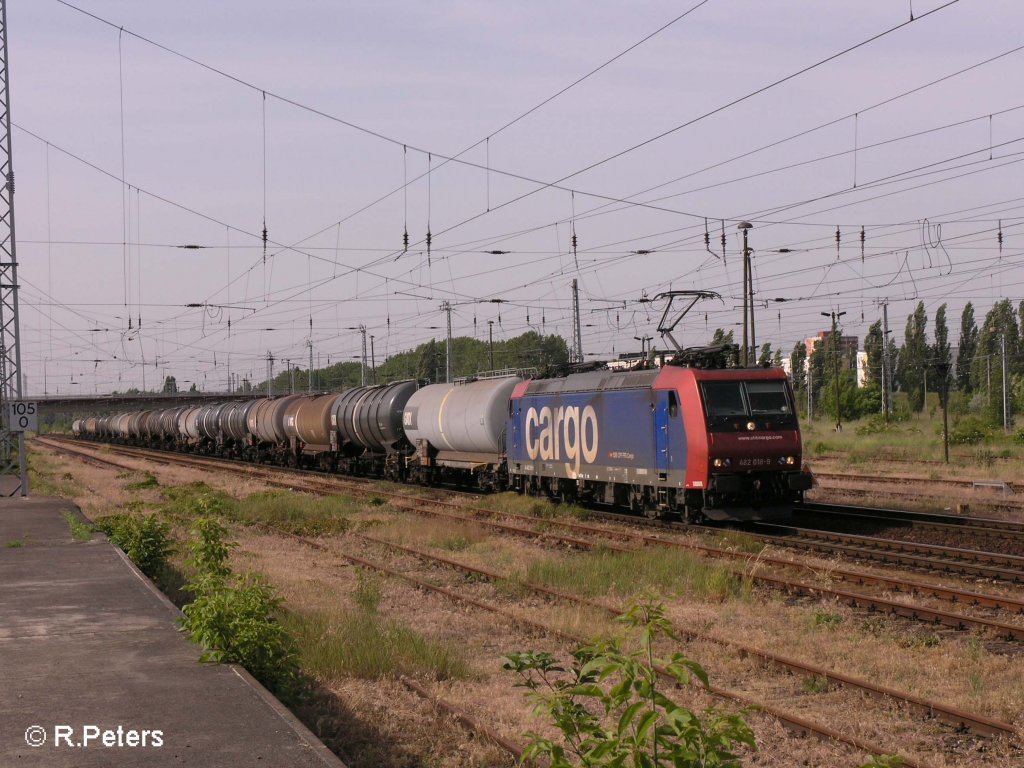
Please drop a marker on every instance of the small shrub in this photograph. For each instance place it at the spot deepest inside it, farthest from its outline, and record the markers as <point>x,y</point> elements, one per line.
<point>542,509</point>
<point>377,501</point>
<point>454,543</point>
<point>14,544</point>
<point>829,620</point>
<point>875,425</point>
<point>235,618</point>
<point>609,707</point>
<point>986,457</point>
<point>919,641</point>
<point>237,624</point>
<point>146,541</point>
<point>147,480</point>
<point>970,431</point>
<point>816,684</point>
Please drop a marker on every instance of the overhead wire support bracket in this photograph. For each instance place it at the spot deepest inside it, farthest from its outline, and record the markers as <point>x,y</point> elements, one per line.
<point>670,319</point>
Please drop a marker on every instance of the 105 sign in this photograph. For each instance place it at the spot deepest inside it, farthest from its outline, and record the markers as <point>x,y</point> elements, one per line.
<point>23,416</point>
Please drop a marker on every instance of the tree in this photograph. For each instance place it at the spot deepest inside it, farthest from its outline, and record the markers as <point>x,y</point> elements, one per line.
<point>968,349</point>
<point>193,388</point>
<point>765,358</point>
<point>873,347</point>
<point>940,351</point>
<point>170,385</point>
<point>797,363</point>
<point>913,357</point>
<point>939,359</point>
<point>987,371</point>
<point>721,337</point>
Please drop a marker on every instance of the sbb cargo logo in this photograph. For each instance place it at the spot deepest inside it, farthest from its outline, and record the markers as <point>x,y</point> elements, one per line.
<point>569,432</point>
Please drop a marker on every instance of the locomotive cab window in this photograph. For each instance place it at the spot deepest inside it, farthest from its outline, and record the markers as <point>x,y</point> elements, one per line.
<point>766,403</point>
<point>724,398</point>
<point>673,405</point>
<point>767,398</point>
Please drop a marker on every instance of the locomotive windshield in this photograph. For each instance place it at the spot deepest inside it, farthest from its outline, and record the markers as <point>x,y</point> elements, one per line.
<point>766,402</point>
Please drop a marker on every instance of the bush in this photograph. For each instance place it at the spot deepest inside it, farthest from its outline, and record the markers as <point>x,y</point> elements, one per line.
<point>146,541</point>
<point>970,431</point>
<point>610,710</point>
<point>235,618</point>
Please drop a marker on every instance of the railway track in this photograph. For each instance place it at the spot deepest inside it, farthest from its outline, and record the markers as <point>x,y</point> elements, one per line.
<point>319,483</point>
<point>981,527</point>
<point>985,485</point>
<point>928,557</point>
<point>796,724</point>
<point>578,532</point>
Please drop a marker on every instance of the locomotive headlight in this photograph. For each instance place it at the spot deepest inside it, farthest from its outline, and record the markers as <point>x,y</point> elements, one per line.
<point>789,461</point>
<point>719,463</point>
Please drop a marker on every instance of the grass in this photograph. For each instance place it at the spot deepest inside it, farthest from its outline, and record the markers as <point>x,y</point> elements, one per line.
<point>296,513</point>
<point>363,645</point>
<point>918,437</point>
<point>740,542</point>
<point>358,642</point>
<point>627,574</point>
<point>456,537</point>
<point>81,531</point>
<point>44,477</point>
<point>14,544</point>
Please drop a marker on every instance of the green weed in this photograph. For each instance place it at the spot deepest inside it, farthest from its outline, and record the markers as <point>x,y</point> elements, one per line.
<point>81,531</point>
<point>14,544</point>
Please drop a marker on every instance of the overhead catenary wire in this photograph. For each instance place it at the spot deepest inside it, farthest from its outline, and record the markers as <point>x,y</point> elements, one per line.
<point>385,277</point>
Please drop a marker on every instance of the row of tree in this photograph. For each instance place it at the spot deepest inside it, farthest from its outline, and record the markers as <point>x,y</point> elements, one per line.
<point>428,362</point>
<point>919,366</point>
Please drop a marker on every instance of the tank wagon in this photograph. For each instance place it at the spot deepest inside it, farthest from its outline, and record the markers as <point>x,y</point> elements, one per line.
<point>693,439</point>
<point>368,426</point>
<point>458,432</point>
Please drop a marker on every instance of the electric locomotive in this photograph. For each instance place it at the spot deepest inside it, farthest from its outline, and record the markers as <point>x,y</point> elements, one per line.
<point>718,443</point>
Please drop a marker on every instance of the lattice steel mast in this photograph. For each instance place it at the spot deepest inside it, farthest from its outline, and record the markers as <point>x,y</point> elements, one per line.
<point>12,446</point>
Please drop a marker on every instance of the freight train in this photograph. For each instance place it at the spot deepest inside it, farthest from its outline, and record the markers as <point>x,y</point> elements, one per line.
<point>684,440</point>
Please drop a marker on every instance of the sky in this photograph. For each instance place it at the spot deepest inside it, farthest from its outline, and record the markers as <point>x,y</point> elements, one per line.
<point>143,127</point>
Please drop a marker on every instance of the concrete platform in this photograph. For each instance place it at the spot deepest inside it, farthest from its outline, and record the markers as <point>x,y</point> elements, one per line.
<point>88,645</point>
